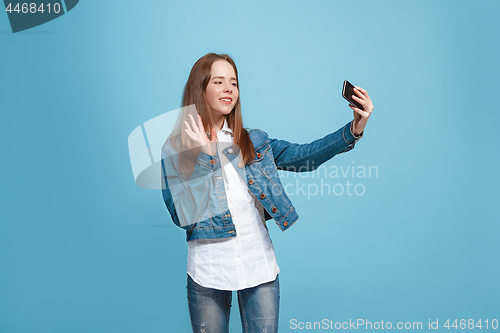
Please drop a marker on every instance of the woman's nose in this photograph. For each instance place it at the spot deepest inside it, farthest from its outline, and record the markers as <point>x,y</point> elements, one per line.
<point>228,89</point>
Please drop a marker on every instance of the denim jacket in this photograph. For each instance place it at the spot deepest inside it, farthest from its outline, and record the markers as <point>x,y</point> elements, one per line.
<point>199,204</point>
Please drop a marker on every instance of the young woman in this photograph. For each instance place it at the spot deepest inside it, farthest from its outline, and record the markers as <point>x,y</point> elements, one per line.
<point>222,186</point>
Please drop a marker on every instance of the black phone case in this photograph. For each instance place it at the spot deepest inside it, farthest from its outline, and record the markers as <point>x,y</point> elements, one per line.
<point>347,92</point>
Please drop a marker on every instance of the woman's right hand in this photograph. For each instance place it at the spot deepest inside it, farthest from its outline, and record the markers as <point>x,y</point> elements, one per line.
<point>196,132</point>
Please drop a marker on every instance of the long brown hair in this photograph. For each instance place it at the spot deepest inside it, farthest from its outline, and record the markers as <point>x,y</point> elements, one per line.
<point>194,94</point>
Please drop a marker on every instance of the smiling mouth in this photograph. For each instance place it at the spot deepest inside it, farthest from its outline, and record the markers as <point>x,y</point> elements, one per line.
<point>226,100</point>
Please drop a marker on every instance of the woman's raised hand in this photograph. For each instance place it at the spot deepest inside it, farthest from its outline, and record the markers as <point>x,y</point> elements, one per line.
<point>361,116</point>
<point>196,132</point>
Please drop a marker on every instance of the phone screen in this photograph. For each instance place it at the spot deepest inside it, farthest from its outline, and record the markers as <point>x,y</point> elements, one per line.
<point>347,93</point>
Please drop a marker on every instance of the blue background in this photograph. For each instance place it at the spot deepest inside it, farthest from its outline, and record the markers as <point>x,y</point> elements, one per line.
<point>83,249</point>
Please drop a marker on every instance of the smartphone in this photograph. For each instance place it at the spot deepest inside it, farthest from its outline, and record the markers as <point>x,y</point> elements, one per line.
<point>347,92</point>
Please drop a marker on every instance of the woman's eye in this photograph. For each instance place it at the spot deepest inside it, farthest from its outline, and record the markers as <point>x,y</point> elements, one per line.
<point>234,84</point>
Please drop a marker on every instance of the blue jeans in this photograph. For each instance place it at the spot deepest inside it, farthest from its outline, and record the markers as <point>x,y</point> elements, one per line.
<point>209,308</point>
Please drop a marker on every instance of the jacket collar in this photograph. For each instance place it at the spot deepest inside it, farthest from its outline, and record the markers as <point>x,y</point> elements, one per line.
<point>225,128</point>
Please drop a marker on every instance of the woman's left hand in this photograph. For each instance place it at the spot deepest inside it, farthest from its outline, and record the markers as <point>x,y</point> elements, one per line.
<point>361,116</point>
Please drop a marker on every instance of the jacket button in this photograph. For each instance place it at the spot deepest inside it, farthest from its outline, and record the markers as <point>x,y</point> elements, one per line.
<point>259,155</point>
<point>240,165</point>
<point>230,150</point>
<point>274,210</point>
<point>286,223</point>
<point>262,195</point>
<point>212,161</point>
<point>250,181</point>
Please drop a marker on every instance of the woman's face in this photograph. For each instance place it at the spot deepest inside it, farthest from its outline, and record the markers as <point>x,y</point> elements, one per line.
<point>221,93</point>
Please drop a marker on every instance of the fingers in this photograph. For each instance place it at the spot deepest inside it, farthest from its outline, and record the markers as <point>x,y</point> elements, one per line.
<point>190,134</point>
<point>360,112</point>
<point>362,91</point>
<point>361,97</point>
<point>365,102</point>
<point>197,127</point>
<point>202,128</point>
<point>361,101</point>
<point>196,131</point>
<point>188,128</point>
<point>360,94</point>
<point>193,123</point>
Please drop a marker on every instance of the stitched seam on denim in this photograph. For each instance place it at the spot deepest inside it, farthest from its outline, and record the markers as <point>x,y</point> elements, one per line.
<point>210,228</point>
<point>289,224</point>
<point>271,154</point>
<point>290,207</point>
<point>205,165</point>
<point>281,192</point>
<point>200,235</point>
<point>177,169</point>
<point>284,216</point>
<point>316,151</point>
<point>171,157</point>
<point>183,183</point>
<point>262,145</point>
<point>199,208</point>
<point>225,195</point>
<point>205,190</point>
<point>343,134</point>
<point>263,155</point>
<point>267,151</point>
<point>229,310</point>
<point>267,140</point>
<point>257,163</point>
<point>263,149</point>
<point>240,299</point>
<point>293,222</point>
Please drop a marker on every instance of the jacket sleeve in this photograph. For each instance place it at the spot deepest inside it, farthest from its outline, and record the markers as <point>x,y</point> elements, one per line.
<point>307,157</point>
<point>187,200</point>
